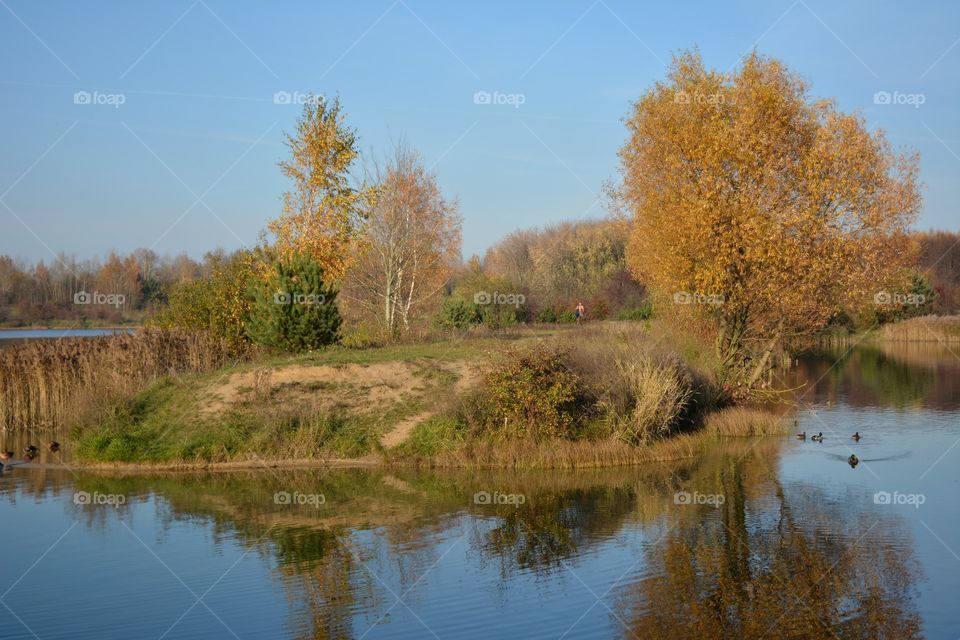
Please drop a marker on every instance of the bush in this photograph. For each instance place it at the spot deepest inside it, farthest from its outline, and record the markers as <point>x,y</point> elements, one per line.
<point>498,316</point>
<point>533,393</point>
<point>294,310</point>
<point>549,314</point>
<point>456,314</point>
<point>218,304</point>
<point>642,312</point>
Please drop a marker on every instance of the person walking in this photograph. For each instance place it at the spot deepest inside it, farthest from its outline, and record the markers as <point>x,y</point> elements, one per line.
<point>579,312</point>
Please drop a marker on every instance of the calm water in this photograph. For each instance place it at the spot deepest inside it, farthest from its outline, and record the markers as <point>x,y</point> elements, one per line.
<point>771,538</point>
<point>14,336</point>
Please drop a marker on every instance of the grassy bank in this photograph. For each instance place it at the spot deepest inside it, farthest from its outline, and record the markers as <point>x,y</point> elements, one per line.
<point>610,394</point>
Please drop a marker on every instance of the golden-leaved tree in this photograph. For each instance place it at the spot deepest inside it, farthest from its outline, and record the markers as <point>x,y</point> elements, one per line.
<point>758,209</point>
<point>322,213</point>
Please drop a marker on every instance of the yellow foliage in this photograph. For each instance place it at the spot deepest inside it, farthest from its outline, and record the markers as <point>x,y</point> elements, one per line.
<point>760,210</point>
<point>321,214</point>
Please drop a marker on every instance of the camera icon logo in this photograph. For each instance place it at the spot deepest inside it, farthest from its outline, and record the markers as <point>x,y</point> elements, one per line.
<point>281,497</point>
<point>681,97</point>
<point>482,497</point>
<point>82,97</point>
<point>882,497</point>
<point>882,297</point>
<point>682,497</point>
<point>282,97</point>
<point>882,97</point>
<point>482,297</point>
<point>482,97</point>
<point>282,297</point>
<point>81,497</point>
<point>682,297</point>
<point>82,297</point>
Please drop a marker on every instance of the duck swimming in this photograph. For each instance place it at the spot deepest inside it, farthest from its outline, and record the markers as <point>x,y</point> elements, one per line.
<point>855,437</point>
<point>6,455</point>
<point>802,436</point>
<point>818,437</point>
<point>54,445</point>
<point>853,460</point>
<point>30,450</point>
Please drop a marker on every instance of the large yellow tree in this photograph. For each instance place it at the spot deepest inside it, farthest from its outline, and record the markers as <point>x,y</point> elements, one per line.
<point>758,209</point>
<point>322,213</point>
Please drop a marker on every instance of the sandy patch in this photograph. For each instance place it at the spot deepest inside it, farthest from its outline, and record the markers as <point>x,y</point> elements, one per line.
<point>380,382</point>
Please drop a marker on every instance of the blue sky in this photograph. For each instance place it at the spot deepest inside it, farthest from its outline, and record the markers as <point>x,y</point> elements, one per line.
<point>178,144</point>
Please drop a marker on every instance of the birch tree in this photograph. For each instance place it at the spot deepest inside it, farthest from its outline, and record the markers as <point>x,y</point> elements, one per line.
<point>408,247</point>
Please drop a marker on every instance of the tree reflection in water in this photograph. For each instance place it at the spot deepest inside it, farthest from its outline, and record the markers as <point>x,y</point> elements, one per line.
<point>773,561</point>
<point>789,567</point>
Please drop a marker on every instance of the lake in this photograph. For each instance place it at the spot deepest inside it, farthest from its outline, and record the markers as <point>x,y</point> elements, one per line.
<point>759,538</point>
<point>10,337</point>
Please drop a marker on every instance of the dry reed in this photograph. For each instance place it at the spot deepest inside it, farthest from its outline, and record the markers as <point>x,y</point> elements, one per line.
<point>923,329</point>
<point>48,383</point>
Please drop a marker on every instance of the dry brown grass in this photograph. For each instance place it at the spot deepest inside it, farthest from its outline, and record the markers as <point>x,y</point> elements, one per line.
<point>45,383</point>
<point>570,454</point>
<point>743,422</point>
<point>923,329</point>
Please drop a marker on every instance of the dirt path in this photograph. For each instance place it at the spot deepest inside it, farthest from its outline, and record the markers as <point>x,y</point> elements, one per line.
<point>468,377</point>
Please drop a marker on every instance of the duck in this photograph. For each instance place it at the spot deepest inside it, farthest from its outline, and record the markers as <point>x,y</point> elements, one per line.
<point>53,445</point>
<point>6,455</point>
<point>855,437</point>
<point>853,460</point>
<point>31,450</point>
<point>818,437</point>
<point>802,436</point>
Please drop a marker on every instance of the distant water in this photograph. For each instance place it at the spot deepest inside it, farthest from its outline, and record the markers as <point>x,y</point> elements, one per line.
<point>760,538</point>
<point>12,336</point>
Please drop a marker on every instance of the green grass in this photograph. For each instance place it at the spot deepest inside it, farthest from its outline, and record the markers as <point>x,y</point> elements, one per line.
<point>166,422</point>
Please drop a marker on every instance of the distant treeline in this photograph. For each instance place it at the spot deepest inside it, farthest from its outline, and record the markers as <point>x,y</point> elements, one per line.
<point>121,288</point>
<point>552,268</point>
<point>940,263</point>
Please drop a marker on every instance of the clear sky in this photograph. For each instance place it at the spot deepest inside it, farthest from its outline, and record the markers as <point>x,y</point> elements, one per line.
<point>175,142</point>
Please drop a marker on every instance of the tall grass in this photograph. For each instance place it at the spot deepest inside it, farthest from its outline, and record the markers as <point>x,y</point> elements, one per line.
<point>923,329</point>
<point>46,383</point>
<point>643,389</point>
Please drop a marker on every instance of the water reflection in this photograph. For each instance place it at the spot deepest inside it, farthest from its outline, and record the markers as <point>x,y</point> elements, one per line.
<point>883,375</point>
<point>766,561</point>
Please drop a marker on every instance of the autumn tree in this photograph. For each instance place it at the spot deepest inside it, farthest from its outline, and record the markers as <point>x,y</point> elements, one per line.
<point>322,212</point>
<point>409,245</point>
<point>762,211</point>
